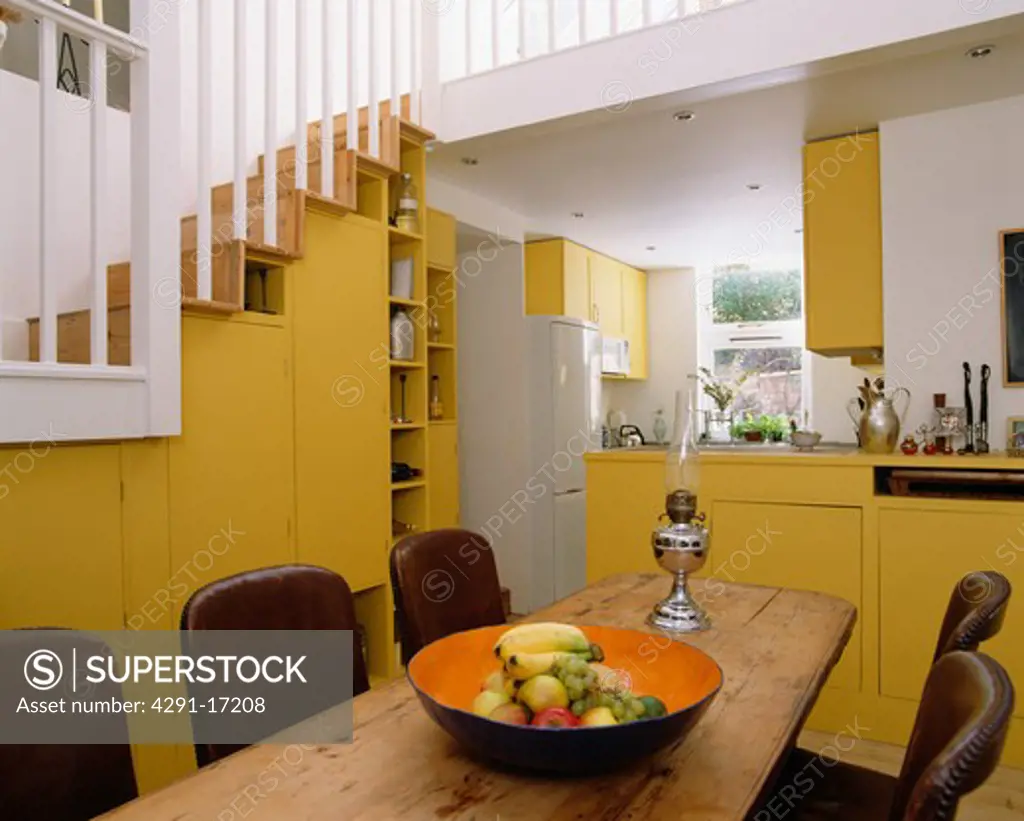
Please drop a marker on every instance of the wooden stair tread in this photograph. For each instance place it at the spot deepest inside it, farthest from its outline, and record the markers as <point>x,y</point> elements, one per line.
<point>210,306</point>
<point>367,166</point>
<point>327,205</point>
<point>273,254</point>
<point>410,132</point>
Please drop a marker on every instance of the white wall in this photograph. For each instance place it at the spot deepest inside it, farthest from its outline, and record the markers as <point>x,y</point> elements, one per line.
<point>493,431</point>
<point>672,348</point>
<point>950,183</point>
<point>19,210</point>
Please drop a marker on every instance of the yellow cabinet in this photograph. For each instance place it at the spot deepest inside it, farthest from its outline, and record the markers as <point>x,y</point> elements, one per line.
<point>843,245</point>
<point>557,279</point>
<point>785,546</point>
<point>634,320</point>
<point>443,474</point>
<point>606,294</point>
<point>440,239</point>
<point>230,486</point>
<point>916,590</point>
<point>342,392</point>
<point>60,511</point>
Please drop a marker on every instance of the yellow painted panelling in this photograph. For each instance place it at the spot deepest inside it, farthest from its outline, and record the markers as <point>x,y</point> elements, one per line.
<point>606,294</point>
<point>60,513</point>
<point>576,292</point>
<point>231,470</point>
<point>624,501</point>
<point>443,475</point>
<point>440,240</point>
<point>797,546</point>
<point>543,266</point>
<point>341,399</point>
<point>915,592</point>
<point>843,244</point>
<point>634,320</point>
<point>826,485</point>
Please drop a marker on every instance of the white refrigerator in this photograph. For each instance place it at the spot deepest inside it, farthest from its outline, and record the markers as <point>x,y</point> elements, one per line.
<point>564,391</point>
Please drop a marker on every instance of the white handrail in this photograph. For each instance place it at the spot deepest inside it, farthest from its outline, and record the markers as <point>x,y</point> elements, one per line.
<point>123,45</point>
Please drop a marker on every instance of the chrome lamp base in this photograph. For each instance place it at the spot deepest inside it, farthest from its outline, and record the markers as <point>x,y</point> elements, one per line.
<point>679,613</point>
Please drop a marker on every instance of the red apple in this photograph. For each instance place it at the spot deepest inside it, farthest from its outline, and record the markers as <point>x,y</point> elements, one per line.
<point>510,713</point>
<point>555,717</point>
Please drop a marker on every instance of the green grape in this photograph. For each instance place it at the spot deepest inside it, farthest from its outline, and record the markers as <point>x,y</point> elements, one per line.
<point>605,700</point>
<point>574,693</point>
<point>619,710</point>
<point>636,706</point>
<point>579,707</point>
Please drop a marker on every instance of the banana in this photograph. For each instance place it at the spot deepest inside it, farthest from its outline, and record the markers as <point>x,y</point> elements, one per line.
<point>523,666</point>
<point>542,637</point>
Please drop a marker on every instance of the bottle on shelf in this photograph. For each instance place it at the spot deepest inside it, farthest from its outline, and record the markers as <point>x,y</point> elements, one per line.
<point>436,405</point>
<point>407,217</point>
<point>433,326</point>
<point>402,336</point>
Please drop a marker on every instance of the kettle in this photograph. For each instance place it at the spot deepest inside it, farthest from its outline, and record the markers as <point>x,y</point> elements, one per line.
<point>631,437</point>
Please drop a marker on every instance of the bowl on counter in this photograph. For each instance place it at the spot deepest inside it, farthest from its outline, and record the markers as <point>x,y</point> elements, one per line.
<point>447,674</point>
<point>804,439</point>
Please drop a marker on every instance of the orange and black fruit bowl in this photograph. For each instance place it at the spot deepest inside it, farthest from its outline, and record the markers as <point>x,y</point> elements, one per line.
<point>447,676</point>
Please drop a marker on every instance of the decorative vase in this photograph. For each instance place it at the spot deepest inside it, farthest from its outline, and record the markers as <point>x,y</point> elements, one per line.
<point>718,425</point>
<point>660,427</point>
<point>3,34</point>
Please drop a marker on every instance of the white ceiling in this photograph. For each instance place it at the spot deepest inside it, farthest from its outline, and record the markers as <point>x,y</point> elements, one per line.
<point>641,178</point>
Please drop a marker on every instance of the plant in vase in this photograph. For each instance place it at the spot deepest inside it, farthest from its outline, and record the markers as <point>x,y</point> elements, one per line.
<point>746,428</point>
<point>723,393</point>
<point>7,16</point>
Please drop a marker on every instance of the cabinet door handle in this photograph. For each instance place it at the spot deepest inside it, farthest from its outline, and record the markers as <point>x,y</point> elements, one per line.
<point>597,313</point>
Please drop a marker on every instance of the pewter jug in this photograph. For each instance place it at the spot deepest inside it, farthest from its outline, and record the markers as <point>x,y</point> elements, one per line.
<point>878,424</point>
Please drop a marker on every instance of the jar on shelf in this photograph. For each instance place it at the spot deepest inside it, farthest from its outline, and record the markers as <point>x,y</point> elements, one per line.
<point>436,410</point>
<point>407,217</point>
<point>402,336</point>
<point>433,326</point>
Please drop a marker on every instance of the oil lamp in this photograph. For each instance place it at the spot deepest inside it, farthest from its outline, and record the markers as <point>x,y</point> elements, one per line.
<point>680,541</point>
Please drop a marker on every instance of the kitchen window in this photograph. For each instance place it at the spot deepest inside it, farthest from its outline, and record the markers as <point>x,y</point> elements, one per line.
<point>751,323</point>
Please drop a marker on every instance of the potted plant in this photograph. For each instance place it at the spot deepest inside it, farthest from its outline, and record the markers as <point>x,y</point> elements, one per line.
<point>773,428</point>
<point>746,428</point>
<point>7,16</point>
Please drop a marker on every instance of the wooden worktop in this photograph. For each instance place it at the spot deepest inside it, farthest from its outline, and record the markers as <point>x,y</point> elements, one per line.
<point>784,455</point>
<point>775,647</point>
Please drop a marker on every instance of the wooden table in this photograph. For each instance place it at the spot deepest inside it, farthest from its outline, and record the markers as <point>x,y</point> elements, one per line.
<point>775,646</point>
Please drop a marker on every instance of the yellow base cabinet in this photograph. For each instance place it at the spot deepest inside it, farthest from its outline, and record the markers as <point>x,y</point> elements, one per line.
<point>799,546</point>
<point>914,592</point>
<point>843,245</point>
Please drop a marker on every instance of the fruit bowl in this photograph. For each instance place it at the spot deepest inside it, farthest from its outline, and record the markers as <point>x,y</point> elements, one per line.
<point>447,674</point>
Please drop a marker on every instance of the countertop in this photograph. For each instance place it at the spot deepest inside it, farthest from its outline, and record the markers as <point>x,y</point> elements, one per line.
<point>782,455</point>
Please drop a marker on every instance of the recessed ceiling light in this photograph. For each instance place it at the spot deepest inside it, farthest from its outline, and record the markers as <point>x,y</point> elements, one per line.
<point>980,51</point>
<point>577,215</point>
<point>684,116</point>
<point>651,248</point>
<point>470,161</point>
<point>754,186</point>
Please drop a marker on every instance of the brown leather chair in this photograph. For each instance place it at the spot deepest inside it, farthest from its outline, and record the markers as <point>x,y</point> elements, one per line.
<point>975,613</point>
<point>69,782</point>
<point>957,739</point>
<point>444,581</point>
<point>288,597</point>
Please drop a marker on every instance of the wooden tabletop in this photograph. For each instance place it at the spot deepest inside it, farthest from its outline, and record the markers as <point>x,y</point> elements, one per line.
<point>775,646</point>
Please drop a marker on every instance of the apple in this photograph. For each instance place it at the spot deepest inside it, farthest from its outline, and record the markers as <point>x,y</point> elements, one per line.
<point>598,717</point>
<point>510,713</point>
<point>488,701</point>
<point>541,692</point>
<point>499,682</point>
<point>555,717</point>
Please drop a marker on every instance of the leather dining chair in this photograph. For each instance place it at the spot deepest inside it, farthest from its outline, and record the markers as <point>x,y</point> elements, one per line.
<point>444,581</point>
<point>975,613</point>
<point>287,597</point>
<point>69,782</point>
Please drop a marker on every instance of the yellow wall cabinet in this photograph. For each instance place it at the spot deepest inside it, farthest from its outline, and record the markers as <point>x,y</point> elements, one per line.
<point>565,279</point>
<point>441,240</point>
<point>843,245</point>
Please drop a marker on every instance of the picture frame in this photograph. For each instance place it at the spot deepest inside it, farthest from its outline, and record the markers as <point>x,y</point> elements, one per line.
<point>1011,297</point>
<point>1015,433</point>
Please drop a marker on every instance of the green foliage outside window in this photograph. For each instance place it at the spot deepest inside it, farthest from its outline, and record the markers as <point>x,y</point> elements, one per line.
<point>764,296</point>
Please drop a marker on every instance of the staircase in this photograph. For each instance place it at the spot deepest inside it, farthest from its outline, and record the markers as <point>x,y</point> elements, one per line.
<point>231,257</point>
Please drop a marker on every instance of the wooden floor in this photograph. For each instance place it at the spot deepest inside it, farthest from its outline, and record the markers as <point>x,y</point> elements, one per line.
<point>1001,799</point>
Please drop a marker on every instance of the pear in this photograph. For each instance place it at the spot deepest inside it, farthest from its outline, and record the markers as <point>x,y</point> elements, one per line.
<point>487,701</point>
<point>541,692</point>
<point>598,717</point>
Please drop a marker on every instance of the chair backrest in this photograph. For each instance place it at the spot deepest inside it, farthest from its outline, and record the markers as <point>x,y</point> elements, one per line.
<point>444,581</point>
<point>287,597</point>
<point>69,782</point>
<point>975,613</point>
<point>958,736</point>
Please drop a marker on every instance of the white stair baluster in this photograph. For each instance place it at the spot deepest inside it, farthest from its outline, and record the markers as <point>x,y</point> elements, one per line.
<point>49,189</point>
<point>97,201</point>
<point>204,202</point>
<point>270,128</point>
